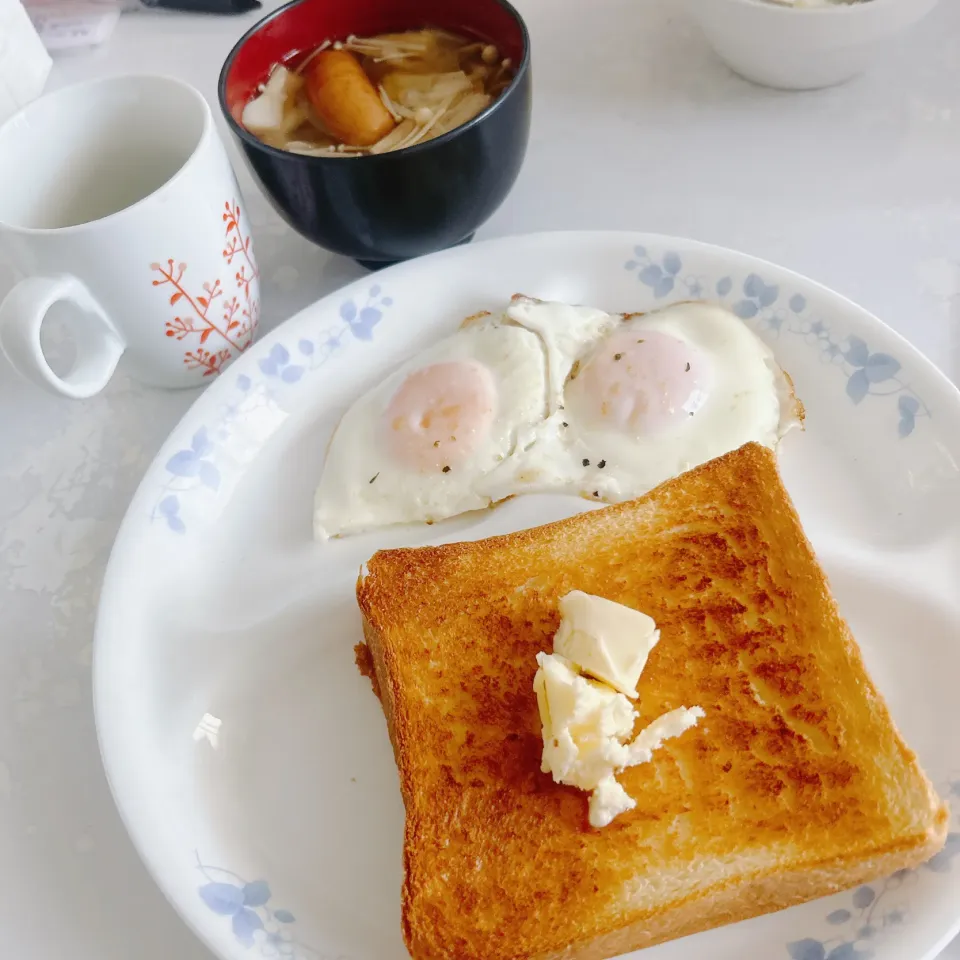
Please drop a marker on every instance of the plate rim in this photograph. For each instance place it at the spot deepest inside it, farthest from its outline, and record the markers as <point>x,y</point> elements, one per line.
<point>215,392</point>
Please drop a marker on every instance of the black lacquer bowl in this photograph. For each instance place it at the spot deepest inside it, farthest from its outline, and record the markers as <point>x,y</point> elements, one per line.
<point>393,206</point>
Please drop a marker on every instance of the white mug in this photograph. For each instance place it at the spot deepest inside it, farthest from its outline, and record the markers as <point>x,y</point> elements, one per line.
<point>119,199</point>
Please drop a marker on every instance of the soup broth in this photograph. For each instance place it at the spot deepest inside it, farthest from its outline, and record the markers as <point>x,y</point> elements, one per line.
<point>369,95</point>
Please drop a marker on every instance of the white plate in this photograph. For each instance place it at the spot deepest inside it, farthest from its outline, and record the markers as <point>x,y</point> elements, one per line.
<point>280,833</point>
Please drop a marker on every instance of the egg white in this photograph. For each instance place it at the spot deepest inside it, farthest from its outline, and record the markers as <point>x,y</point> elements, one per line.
<point>363,486</point>
<point>564,330</point>
<point>749,399</point>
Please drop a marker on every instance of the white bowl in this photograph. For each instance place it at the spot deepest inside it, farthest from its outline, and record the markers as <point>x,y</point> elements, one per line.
<point>803,48</point>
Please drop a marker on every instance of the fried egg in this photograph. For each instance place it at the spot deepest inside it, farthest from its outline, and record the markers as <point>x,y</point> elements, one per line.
<point>552,398</point>
<point>417,446</point>
<point>644,400</point>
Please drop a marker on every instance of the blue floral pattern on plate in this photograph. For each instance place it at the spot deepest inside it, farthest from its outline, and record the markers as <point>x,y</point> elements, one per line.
<point>874,908</point>
<point>254,922</point>
<point>192,469</point>
<point>779,312</point>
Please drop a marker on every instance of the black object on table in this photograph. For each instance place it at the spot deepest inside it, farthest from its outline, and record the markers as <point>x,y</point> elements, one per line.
<point>206,6</point>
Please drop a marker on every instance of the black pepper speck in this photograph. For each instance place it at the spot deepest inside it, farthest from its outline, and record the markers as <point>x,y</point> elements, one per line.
<point>602,464</point>
<point>686,369</point>
<point>374,477</point>
<point>446,469</point>
<point>586,462</point>
<point>617,356</point>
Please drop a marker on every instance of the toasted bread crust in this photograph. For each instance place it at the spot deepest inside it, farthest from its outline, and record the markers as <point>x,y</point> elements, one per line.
<point>796,784</point>
<point>750,896</point>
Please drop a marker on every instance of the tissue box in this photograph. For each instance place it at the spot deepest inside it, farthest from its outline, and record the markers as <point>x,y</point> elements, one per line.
<point>24,61</point>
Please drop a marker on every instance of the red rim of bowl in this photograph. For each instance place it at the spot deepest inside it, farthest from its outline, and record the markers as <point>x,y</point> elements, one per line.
<point>250,138</point>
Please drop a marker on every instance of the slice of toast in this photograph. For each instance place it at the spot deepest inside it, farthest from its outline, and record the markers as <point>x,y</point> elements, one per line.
<point>795,785</point>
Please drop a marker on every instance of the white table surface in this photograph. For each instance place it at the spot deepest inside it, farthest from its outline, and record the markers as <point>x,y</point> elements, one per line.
<point>637,126</point>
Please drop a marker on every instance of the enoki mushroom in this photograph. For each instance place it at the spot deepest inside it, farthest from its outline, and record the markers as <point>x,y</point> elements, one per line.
<point>370,95</point>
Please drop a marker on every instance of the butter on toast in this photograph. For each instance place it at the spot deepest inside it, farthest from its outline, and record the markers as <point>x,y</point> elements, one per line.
<point>795,785</point>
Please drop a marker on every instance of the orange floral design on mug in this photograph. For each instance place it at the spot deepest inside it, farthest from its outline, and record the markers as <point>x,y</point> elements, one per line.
<point>239,315</point>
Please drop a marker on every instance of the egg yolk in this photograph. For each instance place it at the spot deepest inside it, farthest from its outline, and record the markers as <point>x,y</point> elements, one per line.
<point>440,415</point>
<point>640,383</point>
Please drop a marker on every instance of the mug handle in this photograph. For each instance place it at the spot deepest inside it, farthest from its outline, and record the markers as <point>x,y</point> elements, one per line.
<point>21,316</point>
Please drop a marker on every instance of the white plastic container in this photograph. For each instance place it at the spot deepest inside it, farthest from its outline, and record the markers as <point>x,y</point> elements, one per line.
<point>803,48</point>
<point>67,24</point>
<point>24,62</point>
